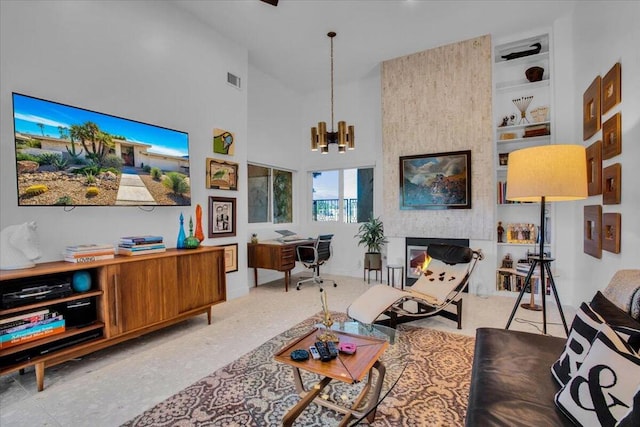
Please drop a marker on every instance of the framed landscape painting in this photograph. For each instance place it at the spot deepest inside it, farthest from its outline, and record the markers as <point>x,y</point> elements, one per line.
<point>436,181</point>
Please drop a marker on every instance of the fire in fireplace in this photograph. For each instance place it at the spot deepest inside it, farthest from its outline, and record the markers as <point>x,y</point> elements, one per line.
<point>417,254</point>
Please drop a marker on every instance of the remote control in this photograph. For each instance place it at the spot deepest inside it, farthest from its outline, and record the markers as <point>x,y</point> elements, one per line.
<point>325,356</point>
<point>333,350</point>
<point>314,352</point>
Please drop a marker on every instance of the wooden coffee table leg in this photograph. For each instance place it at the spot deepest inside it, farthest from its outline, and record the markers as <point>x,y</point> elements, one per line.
<point>295,412</point>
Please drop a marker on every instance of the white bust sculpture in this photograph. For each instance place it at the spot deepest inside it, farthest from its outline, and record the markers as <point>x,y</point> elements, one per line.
<point>19,246</point>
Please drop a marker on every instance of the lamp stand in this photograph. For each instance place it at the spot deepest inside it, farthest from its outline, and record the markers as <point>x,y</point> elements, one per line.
<point>544,268</point>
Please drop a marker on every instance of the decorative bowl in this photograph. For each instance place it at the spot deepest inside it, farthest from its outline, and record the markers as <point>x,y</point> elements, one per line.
<point>534,74</point>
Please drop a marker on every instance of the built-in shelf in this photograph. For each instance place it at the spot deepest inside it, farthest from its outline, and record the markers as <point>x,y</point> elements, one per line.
<point>522,85</point>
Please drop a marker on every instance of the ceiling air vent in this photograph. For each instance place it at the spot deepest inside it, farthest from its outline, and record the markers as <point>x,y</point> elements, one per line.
<point>233,80</point>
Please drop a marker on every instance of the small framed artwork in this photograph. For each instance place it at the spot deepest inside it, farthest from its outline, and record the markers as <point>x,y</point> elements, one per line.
<point>223,142</point>
<point>222,175</point>
<point>612,137</point>
<point>611,184</point>
<point>594,168</point>
<point>222,216</point>
<point>611,233</point>
<point>230,257</point>
<point>611,89</point>
<point>503,159</point>
<point>593,230</point>
<point>436,181</point>
<point>591,110</point>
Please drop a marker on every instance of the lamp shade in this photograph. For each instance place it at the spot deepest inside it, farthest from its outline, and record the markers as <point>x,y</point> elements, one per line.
<point>555,172</point>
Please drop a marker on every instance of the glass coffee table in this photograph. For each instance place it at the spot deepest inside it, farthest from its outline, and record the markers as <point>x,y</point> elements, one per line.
<point>341,392</point>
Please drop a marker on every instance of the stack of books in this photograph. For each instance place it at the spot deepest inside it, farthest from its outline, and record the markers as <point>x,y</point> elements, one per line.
<point>30,326</point>
<point>140,245</point>
<point>89,253</point>
<point>536,130</point>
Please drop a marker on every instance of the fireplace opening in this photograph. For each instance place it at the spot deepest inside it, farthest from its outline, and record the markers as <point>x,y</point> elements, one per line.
<point>416,249</point>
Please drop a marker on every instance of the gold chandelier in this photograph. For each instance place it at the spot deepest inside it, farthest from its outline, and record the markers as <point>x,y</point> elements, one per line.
<point>344,137</point>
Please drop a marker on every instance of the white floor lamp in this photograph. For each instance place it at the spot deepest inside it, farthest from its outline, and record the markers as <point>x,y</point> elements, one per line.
<point>548,173</point>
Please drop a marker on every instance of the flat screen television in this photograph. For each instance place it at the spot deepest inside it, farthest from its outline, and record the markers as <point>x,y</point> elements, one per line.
<point>70,156</point>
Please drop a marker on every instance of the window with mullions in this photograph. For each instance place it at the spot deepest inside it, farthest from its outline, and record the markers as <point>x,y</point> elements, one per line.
<point>343,195</point>
<point>270,195</point>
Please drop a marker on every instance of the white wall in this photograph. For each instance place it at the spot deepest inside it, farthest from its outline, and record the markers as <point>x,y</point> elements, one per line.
<point>603,34</point>
<point>146,61</point>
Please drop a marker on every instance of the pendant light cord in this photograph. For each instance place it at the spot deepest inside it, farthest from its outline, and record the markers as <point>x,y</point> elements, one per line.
<point>331,36</point>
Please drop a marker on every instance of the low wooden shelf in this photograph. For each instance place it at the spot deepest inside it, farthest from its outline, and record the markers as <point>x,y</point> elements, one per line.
<point>133,296</point>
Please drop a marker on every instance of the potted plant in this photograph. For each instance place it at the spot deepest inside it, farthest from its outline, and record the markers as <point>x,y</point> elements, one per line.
<point>371,235</point>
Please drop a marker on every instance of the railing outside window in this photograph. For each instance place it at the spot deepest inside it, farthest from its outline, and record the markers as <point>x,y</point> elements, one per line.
<point>328,209</point>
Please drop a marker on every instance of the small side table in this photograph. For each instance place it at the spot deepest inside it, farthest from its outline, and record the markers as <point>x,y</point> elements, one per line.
<point>367,274</point>
<point>391,275</point>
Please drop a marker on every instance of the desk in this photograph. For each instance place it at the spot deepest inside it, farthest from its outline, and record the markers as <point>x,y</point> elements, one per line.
<point>274,255</point>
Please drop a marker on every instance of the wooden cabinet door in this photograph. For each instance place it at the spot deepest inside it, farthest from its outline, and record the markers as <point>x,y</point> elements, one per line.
<point>139,292</point>
<point>201,280</point>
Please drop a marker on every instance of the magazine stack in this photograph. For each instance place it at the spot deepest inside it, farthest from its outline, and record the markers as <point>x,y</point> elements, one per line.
<point>30,326</point>
<point>140,245</point>
<point>89,253</point>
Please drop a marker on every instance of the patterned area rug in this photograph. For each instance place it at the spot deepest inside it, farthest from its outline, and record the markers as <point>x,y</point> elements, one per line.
<point>257,391</point>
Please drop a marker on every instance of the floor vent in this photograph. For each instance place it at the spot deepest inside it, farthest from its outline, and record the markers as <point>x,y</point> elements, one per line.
<point>233,80</point>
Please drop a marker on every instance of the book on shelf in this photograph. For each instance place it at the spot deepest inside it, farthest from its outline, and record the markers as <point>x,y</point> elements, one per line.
<point>129,252</point>
<point>28,322</point>
<point>53,328</point>
<point>89,258</point>
<point>141,246</point>
<point>141,239</point>
<point>24,316</point>
<point>92,247</point>
<point>29,326</point>
<point>72,254</point>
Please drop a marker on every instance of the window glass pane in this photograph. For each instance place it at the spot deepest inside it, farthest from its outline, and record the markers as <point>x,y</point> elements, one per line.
<point>364,203</point>
<point>326,196</point>
<point>259,205</point>
<point>282,196</point>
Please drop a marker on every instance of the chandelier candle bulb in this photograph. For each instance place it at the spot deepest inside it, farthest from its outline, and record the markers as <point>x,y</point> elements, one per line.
<point>314,139</point>
<point>351,138</point>
<point>322,135</point>
<point>342,134</point>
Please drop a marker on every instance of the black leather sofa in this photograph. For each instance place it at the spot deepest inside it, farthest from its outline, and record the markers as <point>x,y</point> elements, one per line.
<point>511,380</point>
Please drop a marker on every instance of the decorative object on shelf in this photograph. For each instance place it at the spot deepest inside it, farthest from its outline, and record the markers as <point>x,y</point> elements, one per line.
<point>19,246</point>
<point>534,74</point>
<point>199,233</point>
<point>222,175</point>
<point>539,114</point>
<point>230,257</point>
<point>612,184</point>
<point>181,235</point>
<point>254,238</point>
<point>611,232</point>
<point>436,181</point>
<point>546,173</point>
<point>522,104</point>
<point>344,137</point>
<point>222,216</point>
<point>81,281</point>
<point>503,159</point>
<point>591,109</point>
<point>507,136</point>
<point>612,137</point>
<point>223,142</point>
<point>521,233</point>
<point>594,168</point>
<point>593,230</point>
<point>191,242</point>
<point>537,47</point>
<point>507,261</point>
<point>611,90</point>
<point>327,335</point>
<point>500,231</point>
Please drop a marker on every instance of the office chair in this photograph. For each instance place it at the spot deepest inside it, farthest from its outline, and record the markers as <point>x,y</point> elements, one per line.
<point>313,257</point>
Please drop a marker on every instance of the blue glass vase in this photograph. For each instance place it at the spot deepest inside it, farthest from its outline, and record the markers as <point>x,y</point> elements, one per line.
<point>181,235</point>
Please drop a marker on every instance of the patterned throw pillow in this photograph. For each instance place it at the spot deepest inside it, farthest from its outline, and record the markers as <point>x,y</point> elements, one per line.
<point>632,418</point>
<point>583,331</point>
<point>601,392</point>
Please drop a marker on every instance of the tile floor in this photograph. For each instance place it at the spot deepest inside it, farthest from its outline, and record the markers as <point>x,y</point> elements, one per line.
<point>112,386</point>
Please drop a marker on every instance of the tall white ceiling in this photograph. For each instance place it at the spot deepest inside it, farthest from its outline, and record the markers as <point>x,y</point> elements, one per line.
<point>290,43</point>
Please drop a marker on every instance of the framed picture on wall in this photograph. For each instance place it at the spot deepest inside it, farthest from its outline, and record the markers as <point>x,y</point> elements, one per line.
<point>591,110</point>
<point>593,230</point>
<point>222,216</point>
<point>223,142</point>
<point>436,181</point>
<point>611,223</point>
<point>230,257</point>
<point>222,175</point>
<point>594,168</point>
<point>611,90</point>
<point>612,137</point>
